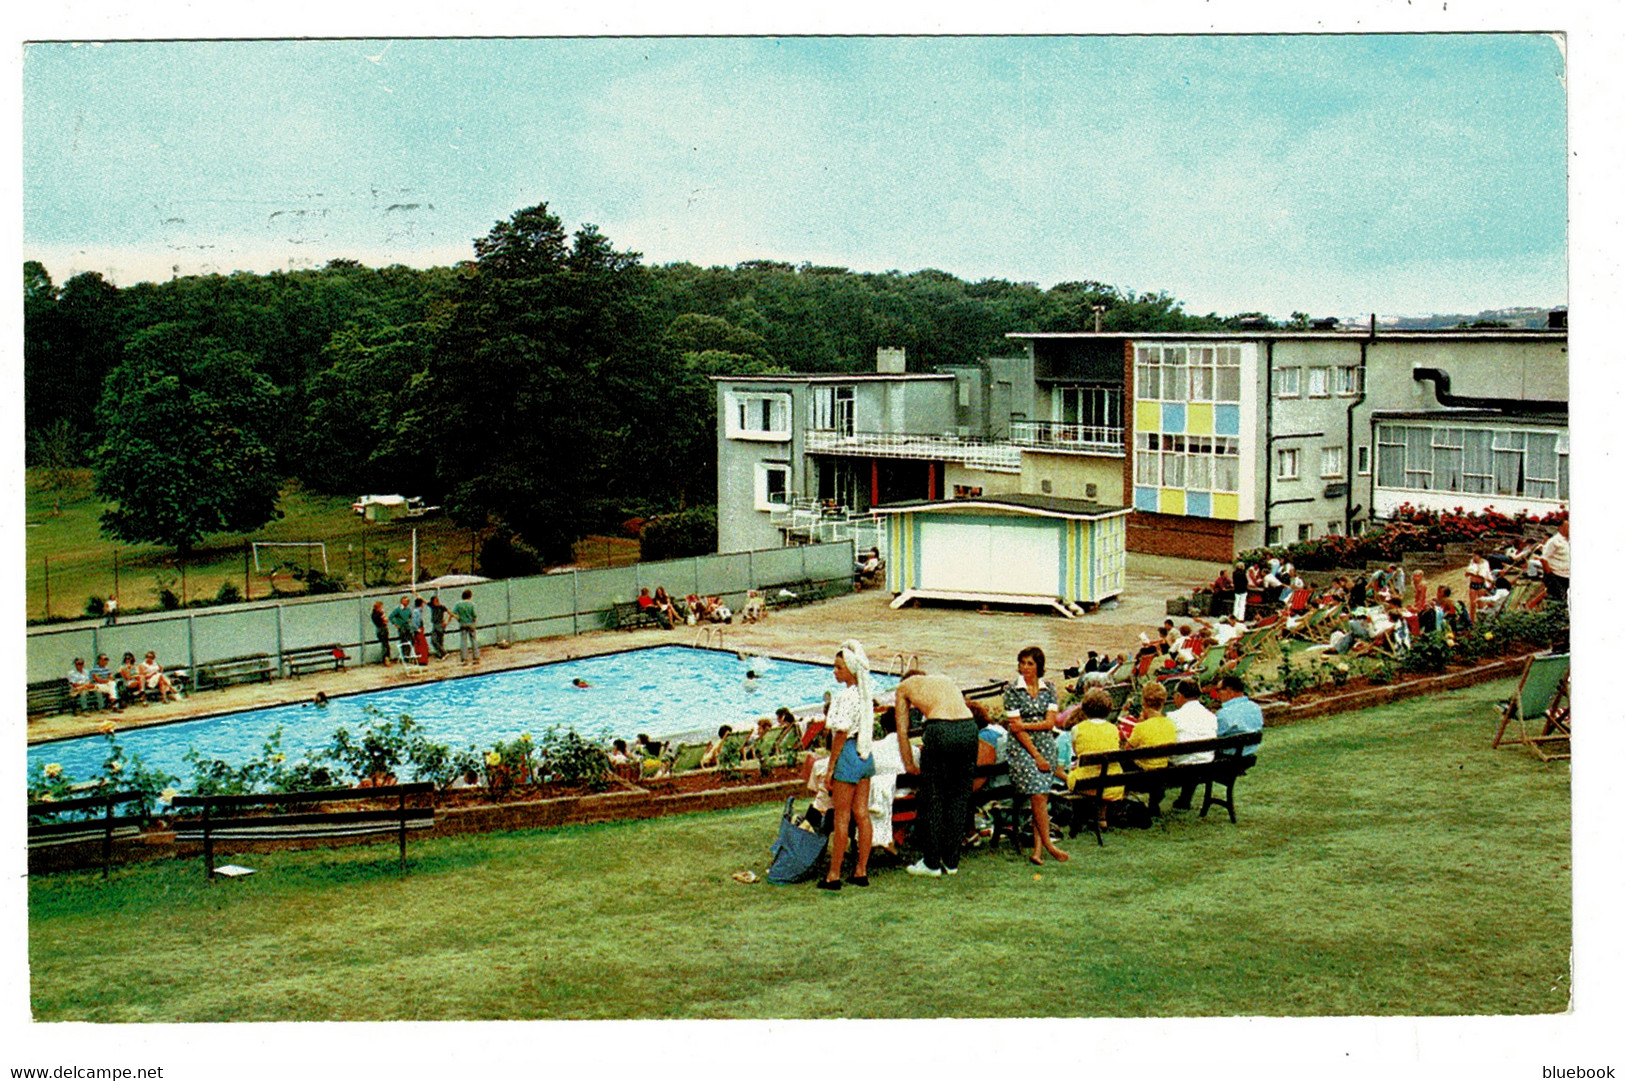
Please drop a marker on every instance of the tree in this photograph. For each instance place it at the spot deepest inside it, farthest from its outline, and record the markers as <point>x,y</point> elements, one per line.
<point>187,444</point>
<point>544,375</point>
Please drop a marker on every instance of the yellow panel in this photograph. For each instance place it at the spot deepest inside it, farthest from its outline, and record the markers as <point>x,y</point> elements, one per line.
<point>1199,418</point>
<point>1148,416</point>
<point>1226,505</point>
<point>1172,501</point>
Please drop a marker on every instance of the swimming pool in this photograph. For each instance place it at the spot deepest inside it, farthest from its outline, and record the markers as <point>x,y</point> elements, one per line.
<point>663,691</point>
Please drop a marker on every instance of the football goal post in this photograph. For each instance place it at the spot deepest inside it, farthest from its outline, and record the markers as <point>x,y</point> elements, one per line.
<point>287,544</point>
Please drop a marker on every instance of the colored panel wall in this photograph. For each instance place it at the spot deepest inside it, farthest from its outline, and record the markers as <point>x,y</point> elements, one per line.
<point>1146,499</point>
<point>1199,504</point>
<point>1226,419</point>
<point>1226,505</point>
<point>1172,501</point>
<point>1147,416</point>
<point>1199,418</point>
<point>1173,417</point>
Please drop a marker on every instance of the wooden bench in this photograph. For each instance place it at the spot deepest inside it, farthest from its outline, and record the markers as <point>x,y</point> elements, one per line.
<point>53,696</point>
<point>229,670</point>
<point>1084,797</point>
<point>46,827</point>
<point>628,615</point>
<point>298,816</point>
<point>995,788</point>
<point>315,658</point>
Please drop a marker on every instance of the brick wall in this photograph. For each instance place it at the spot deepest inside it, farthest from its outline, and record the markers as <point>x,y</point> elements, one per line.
<point>1175,535</point>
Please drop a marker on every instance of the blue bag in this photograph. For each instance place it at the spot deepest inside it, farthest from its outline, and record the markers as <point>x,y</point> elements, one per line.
<point>795,850</point>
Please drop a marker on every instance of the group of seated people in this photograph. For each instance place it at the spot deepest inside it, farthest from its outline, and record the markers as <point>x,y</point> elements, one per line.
<point>103,684</point>
<point>652,758</point>
<point>692,610</point>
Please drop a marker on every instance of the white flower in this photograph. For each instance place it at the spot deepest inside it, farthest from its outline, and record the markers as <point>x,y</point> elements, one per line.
<point>53,769</point>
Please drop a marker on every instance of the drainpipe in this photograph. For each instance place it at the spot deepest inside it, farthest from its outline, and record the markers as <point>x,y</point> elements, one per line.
<point>1350,463</point>
<point>1269,432</point>
<point>1441,390</point>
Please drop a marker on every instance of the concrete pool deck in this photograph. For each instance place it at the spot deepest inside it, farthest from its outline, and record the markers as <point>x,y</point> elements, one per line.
<point>961,641</point>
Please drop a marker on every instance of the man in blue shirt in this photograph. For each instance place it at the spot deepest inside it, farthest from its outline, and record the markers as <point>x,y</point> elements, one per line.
<point>1238,713</point>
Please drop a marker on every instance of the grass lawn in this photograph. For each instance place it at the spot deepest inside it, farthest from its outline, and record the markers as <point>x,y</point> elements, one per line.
<point>1386,862</point>
<point>64,528</point>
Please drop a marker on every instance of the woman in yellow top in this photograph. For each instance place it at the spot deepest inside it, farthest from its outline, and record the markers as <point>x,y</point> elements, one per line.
<point>1154,729</point>
<point>1092,735</point>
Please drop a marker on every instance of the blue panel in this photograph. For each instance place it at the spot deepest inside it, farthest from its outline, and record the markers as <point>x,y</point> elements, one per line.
<point>1227,420</point>
<point>1199,504</point>
<point>1173,417</point>
<point>1145,499</point>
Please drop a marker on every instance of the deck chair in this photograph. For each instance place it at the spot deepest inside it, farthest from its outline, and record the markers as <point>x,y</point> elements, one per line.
<point>1542,694</point>
<point>1119,693</point>
<point>687,756</point>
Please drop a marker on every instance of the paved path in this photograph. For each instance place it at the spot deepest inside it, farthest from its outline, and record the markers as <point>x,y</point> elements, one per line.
<point>970,645</point>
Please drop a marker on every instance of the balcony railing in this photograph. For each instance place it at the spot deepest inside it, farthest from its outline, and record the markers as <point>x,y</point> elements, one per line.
<point>996,456</point>
<point>810,520</point>
<point>1067,438</point>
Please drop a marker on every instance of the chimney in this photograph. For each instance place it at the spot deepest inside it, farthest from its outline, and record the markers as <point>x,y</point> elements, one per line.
<point>1557,319</point>
<point>890,360</point>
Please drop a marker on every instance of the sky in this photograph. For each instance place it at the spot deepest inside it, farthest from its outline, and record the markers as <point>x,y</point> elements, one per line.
<point>1335,174</point>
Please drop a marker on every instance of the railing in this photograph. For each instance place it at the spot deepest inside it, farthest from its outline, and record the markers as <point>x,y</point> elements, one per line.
<point>998,456</point>
<point>811,520</point>
<point>1073,438</point>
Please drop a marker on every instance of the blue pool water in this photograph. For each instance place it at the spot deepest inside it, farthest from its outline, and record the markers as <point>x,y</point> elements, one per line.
<point>663,691</point>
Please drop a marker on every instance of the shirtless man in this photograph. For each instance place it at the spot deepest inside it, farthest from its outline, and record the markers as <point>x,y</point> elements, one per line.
<point>949,752</point>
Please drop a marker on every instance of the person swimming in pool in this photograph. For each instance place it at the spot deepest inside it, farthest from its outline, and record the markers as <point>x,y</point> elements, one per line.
<point>579,683</point>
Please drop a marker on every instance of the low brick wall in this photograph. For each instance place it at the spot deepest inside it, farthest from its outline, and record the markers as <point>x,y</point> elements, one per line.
<point>1278,713</point>
<point>605,807</point>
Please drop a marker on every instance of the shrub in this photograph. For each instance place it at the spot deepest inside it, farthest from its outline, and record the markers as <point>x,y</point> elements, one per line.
<point>570,759</point>
<point>504,555</point>
<point>95,606</point>
<point>228,594</point>
<point>691,532</point>
<point>384,748</point>
<point>1428,652</point>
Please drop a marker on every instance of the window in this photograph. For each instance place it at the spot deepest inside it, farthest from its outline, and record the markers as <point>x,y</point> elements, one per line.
<point>1286,382</point>
<point>1331,461</point>
<point>832,409</point>
<point>1475,461</point>
<point>1286,464</point>
<point>1306,531</point>
<point>1319,382</point>
<point>1091,408</point>
<point>759,416</point>
<point>1362,454</point>
<point>772,485</point>
<point>1187,373</point>
<point>1349,380</point>
<point>1203,381</point>
<point>967,491</point>
<point>1273,536</point>
<point>1201,463</point>
<point>1334,528</point>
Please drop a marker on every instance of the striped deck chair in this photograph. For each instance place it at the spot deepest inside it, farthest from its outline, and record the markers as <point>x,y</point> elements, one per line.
<point>1542,694</point>
<point>686,758</point>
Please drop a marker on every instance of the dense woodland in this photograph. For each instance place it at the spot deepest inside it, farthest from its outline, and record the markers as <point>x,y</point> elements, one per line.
<point>549,387</point>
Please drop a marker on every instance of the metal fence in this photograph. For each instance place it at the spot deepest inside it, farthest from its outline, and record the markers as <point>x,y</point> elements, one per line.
<point>516,609</point>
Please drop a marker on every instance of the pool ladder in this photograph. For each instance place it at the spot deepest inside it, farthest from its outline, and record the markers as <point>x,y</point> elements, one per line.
<point>903,662</point>
<point>707,636</point>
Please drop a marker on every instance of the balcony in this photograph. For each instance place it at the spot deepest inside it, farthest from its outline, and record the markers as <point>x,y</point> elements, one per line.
<point>995,456</point>
<point>1067,438</point>
<point>810,521</point>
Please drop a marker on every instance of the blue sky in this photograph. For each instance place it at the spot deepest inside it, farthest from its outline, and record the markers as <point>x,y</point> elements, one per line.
<point>1334,174</point>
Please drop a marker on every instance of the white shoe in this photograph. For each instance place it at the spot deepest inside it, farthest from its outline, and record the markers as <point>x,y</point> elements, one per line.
<point>950,870</point>
<point>921,869</point>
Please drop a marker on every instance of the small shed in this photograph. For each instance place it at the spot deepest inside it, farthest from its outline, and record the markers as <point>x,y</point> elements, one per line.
<point>1032,549</point>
